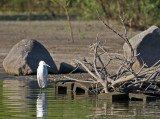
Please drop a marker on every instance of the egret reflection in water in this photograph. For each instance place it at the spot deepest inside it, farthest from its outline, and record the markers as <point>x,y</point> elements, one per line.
<point>42,105</point>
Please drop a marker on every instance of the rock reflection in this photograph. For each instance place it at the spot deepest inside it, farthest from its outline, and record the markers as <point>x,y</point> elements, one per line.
<point>42,105</point>
<point>16,91</point>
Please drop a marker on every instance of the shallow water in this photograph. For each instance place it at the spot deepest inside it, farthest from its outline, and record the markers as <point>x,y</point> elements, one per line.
<point>24,99</point>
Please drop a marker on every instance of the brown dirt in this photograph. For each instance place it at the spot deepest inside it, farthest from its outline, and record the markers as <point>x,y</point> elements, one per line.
<point>55,37</point>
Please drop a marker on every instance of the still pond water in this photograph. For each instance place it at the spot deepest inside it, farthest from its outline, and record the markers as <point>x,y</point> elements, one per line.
<point>23,99</point>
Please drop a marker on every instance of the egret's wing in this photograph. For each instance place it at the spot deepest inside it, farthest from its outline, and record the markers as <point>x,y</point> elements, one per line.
<point>39,78</point>
<point>45,76</point>
<point>42,75</point>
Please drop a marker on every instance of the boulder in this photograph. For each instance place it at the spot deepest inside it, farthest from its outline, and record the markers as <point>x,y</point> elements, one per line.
<point>24,58</point>
<point>67,68</point>
<point>147,44</point>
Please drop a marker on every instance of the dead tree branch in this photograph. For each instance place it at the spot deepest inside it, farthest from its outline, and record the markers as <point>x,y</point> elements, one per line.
<point>121,36</point>
<point>125,78</point>
<point>90,81</point>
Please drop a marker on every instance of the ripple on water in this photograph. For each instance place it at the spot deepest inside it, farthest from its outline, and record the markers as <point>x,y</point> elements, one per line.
<point>24,99</point>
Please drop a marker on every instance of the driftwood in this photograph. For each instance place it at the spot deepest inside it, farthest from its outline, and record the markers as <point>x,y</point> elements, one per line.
<point>126,77</point>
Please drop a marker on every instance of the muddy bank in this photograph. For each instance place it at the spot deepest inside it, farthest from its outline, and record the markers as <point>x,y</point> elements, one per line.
<point>55,37</point>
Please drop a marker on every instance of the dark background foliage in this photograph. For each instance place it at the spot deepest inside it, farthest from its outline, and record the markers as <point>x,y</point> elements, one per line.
<point>139,13</point>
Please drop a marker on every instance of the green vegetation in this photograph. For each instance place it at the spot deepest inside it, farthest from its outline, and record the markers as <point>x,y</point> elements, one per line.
<point>139,13</point>
<point>82,35</point>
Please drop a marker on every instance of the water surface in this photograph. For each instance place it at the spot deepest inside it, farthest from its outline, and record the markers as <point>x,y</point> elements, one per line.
<point>24,99</point>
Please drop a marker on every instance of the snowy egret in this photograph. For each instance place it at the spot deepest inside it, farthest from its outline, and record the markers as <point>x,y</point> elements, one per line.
<point>42,74</point>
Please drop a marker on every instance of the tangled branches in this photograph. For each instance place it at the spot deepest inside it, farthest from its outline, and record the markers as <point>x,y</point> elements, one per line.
<point>126,79</point>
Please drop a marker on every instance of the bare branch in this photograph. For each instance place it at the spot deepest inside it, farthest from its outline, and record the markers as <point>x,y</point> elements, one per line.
<point>148,86</point>
<point>95,58</point>
<point>91,81</point>
<point>122,20</point>
<point>74,69</point>
<point>122,79</point>
<point>96,78</point>
<point>125,39</point>
<point>141,68</point>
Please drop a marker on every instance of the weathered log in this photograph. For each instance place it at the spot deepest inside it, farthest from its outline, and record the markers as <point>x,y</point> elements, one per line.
<point>122,80</point>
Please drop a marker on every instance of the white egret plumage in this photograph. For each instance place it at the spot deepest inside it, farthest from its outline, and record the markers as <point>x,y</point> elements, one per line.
<point>42,74</point>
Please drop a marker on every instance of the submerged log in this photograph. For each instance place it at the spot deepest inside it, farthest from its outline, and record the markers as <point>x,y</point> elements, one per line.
<point>64,87</point>
<point>141,97</point>
<point>84,88</point>
<point>114,96</point>
<point>78,88</point>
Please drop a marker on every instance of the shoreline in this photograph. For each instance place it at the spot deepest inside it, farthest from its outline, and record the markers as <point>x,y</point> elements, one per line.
<point>55,38</point>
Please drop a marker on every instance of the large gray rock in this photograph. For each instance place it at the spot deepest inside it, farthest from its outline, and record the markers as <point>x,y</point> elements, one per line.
<point>24,58</point>
<point>147,43</point>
